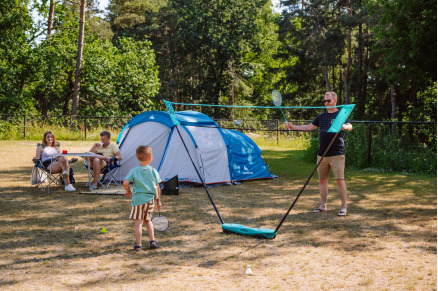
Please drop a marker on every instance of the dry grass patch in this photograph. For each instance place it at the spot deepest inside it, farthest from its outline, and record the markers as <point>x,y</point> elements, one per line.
<point>53,241</point>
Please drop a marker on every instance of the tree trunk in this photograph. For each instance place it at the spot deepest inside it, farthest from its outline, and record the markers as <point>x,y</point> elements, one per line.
<point>393,109</point>
<point>365,71</point>
<point>340,85</point>
<point>326,77</point>
<point>231,101</point>
<point>347,70</point>
<point>232,94</point>
<point>68,93</point>
<point>360,102</point>
<point>333,78</point>
<point>77,85</point>
<point>45,103</point>
<point>50,20</point>
<point>415,103</point>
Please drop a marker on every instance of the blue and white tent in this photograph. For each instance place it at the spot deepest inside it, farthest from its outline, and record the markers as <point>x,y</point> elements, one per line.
<point>220,155</point>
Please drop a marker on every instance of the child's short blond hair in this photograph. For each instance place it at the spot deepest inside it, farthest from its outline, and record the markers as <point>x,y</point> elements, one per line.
<point>143,153</point>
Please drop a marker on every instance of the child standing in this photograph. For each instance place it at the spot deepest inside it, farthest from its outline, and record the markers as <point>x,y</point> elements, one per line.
<point>146,180</point>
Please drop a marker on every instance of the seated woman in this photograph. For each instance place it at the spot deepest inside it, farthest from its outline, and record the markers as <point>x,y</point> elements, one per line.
<point>50,146</point>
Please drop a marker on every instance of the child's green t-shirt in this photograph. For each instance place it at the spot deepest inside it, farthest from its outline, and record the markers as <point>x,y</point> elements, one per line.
<point>144,179</point>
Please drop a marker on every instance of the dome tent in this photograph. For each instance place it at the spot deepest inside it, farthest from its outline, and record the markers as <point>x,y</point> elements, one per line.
<point>220,155</point>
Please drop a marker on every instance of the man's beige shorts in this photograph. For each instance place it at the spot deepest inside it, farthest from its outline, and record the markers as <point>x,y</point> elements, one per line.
<point>335,163</point>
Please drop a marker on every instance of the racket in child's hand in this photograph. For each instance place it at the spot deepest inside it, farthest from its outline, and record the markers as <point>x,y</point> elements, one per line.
<point>160,222</point>
<point>277,100</point>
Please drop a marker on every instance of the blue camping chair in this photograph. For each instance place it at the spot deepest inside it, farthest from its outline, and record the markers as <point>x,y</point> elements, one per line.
<point>108,173</point>
<point>42,177</point>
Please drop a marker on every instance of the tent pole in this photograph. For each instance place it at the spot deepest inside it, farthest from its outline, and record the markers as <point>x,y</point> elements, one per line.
<point>199,175</point>
<point>307,182</point>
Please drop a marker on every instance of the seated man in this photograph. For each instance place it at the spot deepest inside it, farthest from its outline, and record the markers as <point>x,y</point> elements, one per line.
<point>108,151</point>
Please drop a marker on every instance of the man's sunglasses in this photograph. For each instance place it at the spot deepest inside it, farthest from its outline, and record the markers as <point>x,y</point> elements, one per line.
<point>328,101</point>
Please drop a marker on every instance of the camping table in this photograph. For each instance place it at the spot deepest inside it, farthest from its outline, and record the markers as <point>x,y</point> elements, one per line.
<point>82,155</point>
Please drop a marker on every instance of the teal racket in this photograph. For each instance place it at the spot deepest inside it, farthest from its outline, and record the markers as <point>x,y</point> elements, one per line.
<point>277,100</point>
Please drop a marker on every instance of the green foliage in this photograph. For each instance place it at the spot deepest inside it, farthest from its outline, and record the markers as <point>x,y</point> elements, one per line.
<point>409,47</point>
<point>412,148</point>
<point>312,150</point>
<point>36,130</point>
<point>15,35</point>
<point>137,81</point>
<point>7,130</point>
<point>312,39</point>
<point>216,37</point>
<point>118,80</point>
<point>221,52</point>
<point>427,111</point>
<point>207,52</point>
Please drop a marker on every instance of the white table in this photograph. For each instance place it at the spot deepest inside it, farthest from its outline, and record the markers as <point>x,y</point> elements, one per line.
<point>82,155</point>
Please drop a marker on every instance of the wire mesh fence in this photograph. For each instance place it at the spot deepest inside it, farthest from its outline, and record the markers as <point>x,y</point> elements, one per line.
<point>70,128</point>
<point>400,146</point>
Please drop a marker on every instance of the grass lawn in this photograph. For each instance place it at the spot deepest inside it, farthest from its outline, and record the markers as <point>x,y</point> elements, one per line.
<point>387,242</point>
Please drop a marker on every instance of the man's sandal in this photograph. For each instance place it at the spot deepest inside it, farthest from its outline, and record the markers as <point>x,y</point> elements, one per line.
<point>153,244</point>
<point>319,210</point>
<point>342,213</point>
<point>137,248</point>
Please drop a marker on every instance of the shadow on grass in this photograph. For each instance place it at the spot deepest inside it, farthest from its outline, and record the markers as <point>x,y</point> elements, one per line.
<point>42,229</point>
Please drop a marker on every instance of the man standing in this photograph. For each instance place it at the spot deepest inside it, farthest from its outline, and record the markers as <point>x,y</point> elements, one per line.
<point>335,159</point>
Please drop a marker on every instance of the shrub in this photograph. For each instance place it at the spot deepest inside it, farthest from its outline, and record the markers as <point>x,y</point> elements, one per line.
<point>7,130</point>
<point>410,148</point>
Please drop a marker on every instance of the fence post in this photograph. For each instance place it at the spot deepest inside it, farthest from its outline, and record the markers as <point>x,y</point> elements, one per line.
<point>85,130</point>
<point>369,144</point>
<point>278,131</point>
<point>24,126</point>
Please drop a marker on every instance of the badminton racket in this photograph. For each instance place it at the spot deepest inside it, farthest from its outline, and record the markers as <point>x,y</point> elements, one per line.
<point>160,222</point>
<point>277,100</point>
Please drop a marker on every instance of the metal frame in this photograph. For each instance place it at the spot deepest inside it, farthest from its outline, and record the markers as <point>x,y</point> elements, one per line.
<point>109,175</point>
<point>45,175</point>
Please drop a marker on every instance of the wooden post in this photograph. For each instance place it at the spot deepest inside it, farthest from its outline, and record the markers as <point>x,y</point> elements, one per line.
<point>24,126</point>
<point>369,145</point>
<point>393,110</point>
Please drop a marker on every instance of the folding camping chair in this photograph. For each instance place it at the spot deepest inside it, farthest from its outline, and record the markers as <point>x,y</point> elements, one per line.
<point>108,173</point>
<point>41,174</point>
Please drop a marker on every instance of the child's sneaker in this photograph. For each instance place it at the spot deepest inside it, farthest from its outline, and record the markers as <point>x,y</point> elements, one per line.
<point>70,188</point>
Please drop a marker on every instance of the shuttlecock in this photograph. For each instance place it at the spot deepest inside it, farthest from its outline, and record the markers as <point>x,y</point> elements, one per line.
<point>103,230</point>
<point>248,270</point>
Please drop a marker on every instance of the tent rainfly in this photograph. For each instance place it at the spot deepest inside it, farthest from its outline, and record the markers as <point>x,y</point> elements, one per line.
<point>220,155</point>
